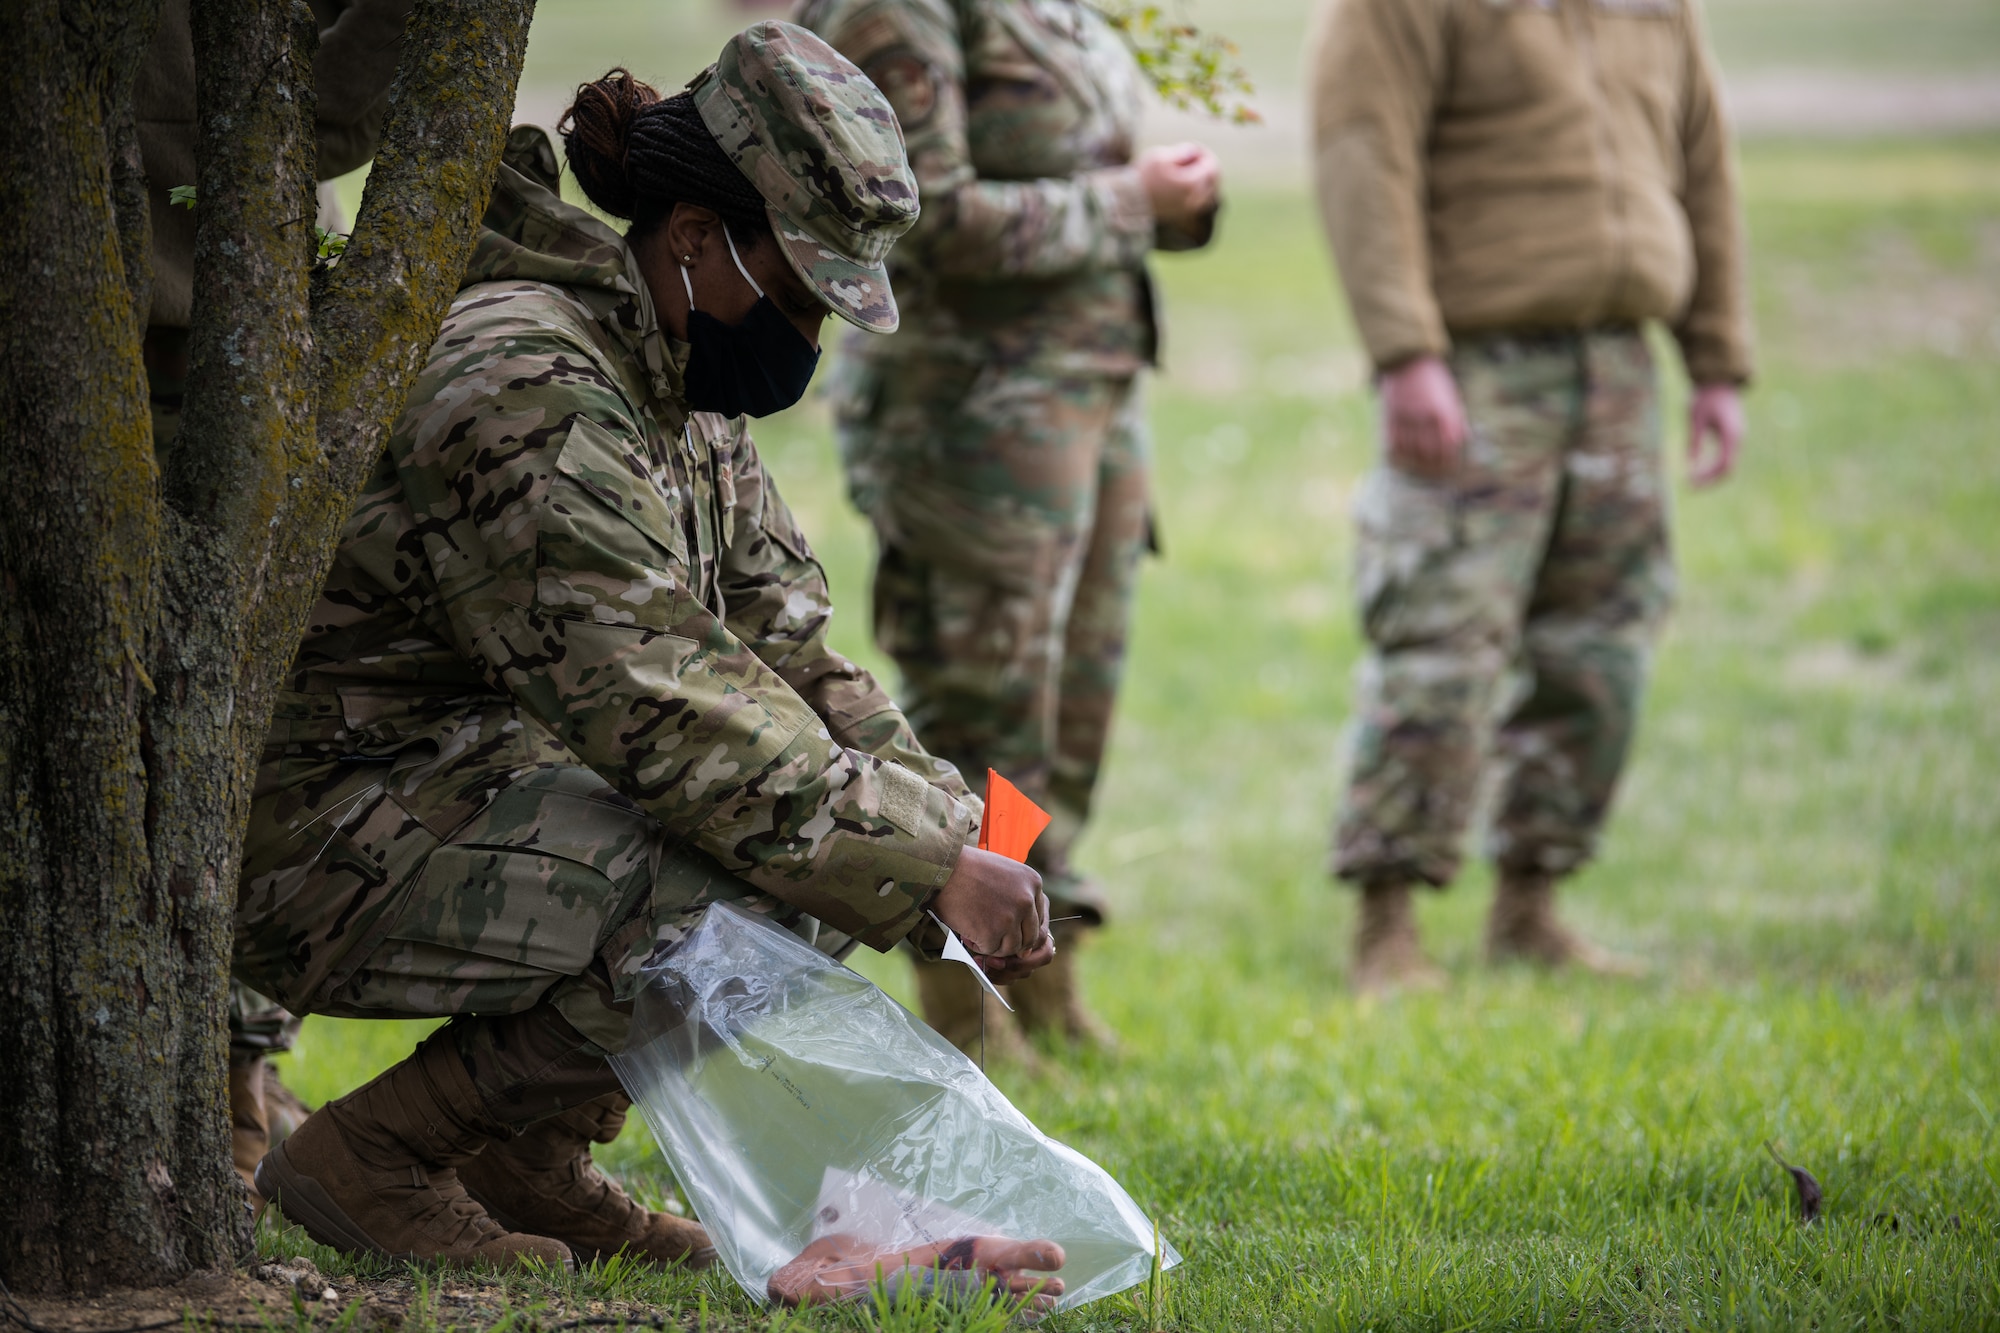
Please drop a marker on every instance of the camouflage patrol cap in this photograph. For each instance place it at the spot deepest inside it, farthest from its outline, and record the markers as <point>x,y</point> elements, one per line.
<point>821,144</point>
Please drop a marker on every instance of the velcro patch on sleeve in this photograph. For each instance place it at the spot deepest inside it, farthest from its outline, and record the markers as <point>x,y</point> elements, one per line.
<point>903,794</point>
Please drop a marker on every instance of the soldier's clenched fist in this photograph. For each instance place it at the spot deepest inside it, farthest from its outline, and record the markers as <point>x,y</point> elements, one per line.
<point>999,910</point>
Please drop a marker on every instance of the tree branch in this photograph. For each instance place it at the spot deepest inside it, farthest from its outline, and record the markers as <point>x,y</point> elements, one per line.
<point>246,430</point>
<point>379,309</point>
<point>248,417</point>
<point>449,113</point>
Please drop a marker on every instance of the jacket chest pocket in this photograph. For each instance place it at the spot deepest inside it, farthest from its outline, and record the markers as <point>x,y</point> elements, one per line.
<point>712,445</point>
<point>611,545</point>
<point>619,473</point>
<point>1642,51</point>
<point>1027,102</point>
<point>1020,124</point>
<point>1510,55</point>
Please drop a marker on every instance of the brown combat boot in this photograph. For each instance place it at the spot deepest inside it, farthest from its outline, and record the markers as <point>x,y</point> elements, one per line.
<point>283,1110</point>
<point>1388,955</point>
<point>1049,1000</point>
<point>249,1134</point>
<point>544,1181</point>
<point>375,1172</point>
<point>952,1001</point>
<point>1523,929</point>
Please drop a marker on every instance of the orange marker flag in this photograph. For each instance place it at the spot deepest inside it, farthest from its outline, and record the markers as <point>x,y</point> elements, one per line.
<point>1012,821</point>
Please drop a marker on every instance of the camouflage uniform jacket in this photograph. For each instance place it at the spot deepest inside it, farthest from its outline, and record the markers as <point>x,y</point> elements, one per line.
<point>1020,118</point>
<point>555,563</point>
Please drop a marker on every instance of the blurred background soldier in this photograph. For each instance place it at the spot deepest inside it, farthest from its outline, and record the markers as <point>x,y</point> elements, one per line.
<point>997,443</point>
<point>359,42</point>
<point>1512,188</point>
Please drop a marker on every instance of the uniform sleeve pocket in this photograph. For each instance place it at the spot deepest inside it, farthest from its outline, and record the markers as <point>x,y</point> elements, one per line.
<point>609,543</point>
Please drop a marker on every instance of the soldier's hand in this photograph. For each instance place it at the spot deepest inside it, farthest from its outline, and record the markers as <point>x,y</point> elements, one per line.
<point>1423,417</point>
<point>1183,182</point>
<point>1000,913</point>
<point>1715,432</point>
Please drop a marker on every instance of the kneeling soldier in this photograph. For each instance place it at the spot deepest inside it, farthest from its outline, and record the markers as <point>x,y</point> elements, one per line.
<point>569,681</point>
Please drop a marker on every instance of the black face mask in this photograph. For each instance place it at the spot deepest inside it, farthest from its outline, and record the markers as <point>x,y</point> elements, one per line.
<point>754,368</point>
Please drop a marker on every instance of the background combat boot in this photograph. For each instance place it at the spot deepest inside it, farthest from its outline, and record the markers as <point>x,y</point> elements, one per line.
<point>545,1182</point>
<point>952,1001</point>
<point>374,1172</point>
<point>1523,929</point>
<point>1049,1000</point>
<point>249,1134</point>
<point>283,1110</point>
<point>262,1113</point>
<point>1388,955</point>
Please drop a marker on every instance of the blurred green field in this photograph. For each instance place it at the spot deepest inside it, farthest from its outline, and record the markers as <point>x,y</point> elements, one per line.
<point>1808,849</point>
<point>576,39</point>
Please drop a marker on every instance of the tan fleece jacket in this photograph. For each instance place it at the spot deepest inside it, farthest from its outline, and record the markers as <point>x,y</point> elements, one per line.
<point>1487,165</point>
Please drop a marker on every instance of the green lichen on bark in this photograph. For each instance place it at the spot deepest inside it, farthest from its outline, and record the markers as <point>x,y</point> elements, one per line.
<point>77,575</point>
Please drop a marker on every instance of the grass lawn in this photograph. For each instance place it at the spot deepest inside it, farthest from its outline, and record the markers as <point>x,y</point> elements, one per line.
<point>1807,852</point>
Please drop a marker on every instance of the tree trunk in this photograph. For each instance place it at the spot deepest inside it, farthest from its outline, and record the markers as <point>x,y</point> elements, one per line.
<point>146,619</point>
<point>86,988</point>
<point>379,310</point>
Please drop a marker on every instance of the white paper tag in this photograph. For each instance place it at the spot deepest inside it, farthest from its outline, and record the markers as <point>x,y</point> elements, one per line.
<point>956,952</point>
<point>856,1203</point>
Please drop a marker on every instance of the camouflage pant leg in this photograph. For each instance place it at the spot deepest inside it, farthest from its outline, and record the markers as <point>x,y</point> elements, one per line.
<point>1447,572</point>
<point>994,495</point>
<point>1603,588</point>
<point>1094,639</point>
<point>258,1025</point>
<point>559,890</point>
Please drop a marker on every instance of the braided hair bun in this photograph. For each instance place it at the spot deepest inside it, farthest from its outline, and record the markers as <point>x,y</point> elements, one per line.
<point>637,154</point>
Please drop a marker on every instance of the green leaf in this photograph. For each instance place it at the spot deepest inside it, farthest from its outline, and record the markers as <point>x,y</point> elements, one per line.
<point>182,195</point>
<point>1187,67</point>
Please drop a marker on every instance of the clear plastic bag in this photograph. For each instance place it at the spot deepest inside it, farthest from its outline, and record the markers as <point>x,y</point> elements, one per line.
<point>796,1101</point>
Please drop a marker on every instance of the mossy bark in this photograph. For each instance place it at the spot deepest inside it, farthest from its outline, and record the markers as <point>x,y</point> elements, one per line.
<point>148,611</point>
<point>86,991</point>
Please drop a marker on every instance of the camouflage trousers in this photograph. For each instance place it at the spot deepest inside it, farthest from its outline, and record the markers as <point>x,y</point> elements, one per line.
<point>557,889</point>
<point>258,1025</point>
<point>1011,511</point>
<point>1510,610</point>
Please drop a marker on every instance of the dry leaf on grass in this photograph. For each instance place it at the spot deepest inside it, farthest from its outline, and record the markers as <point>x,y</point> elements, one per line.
<point>1809,1190</point>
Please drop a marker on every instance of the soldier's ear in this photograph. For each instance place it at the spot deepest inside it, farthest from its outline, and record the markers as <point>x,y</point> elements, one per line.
<point>691,229</point>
